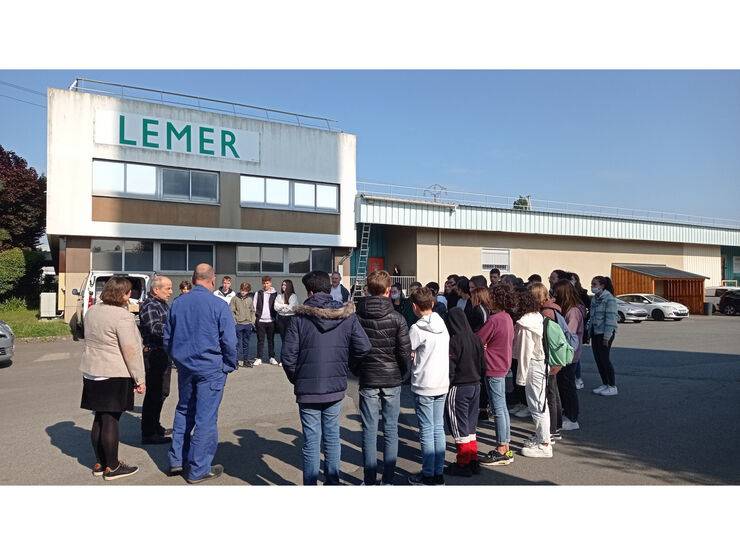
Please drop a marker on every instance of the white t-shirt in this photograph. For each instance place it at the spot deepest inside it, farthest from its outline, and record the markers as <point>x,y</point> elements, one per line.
<point>336,293</point>
<point>265,316</point>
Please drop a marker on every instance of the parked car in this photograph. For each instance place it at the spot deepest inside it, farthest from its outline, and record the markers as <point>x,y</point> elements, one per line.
<point>629,312</point>
<point>89,293</point>
<point>714,294</point>
<point>730,303</point>
<point>7,343</point>
<point>657,307</point>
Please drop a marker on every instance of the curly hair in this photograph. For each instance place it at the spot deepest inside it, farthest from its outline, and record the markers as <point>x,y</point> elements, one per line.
<point>503,297</point>
<point>526,303</point>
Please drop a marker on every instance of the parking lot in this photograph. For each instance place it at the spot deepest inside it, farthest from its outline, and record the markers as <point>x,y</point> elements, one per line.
<point>676,420</point>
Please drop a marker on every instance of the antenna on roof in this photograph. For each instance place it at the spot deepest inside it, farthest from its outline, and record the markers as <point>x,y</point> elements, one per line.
<point>436,192</point>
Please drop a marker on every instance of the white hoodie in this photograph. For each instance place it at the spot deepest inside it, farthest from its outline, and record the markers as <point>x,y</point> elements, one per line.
<point>528,344</point>
<point>430,341</point>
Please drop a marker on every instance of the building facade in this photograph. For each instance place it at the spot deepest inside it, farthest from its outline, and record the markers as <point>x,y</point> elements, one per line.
<point>136,186</point>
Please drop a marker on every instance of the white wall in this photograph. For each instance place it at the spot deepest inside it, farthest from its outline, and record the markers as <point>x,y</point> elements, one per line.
<point>705,261</point>
<point>285,151</point>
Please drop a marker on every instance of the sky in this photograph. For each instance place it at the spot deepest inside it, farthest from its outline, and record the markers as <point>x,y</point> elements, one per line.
<point>654,140</point>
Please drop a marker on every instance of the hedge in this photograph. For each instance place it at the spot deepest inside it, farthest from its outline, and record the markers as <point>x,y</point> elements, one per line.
<point>12,270</point>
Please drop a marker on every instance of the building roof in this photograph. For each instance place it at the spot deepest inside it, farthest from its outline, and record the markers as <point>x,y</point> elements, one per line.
<point>659,271</point>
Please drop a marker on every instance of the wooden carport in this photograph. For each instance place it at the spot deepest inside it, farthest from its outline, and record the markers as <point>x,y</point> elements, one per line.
<point>673,284</point>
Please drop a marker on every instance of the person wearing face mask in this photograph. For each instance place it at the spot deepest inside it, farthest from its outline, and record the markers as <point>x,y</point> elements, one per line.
<point>402,304</point>
<point>602,327</point>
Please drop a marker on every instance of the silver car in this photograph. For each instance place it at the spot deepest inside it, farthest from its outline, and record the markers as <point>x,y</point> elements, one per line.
<point>628,312</point>
<point>7,343</point>
<point>657,307</point>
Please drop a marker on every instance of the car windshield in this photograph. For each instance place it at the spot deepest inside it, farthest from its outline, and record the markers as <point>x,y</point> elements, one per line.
<point>656,299</point>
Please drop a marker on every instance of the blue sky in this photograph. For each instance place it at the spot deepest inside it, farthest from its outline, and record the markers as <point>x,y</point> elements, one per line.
<point>667,140</point>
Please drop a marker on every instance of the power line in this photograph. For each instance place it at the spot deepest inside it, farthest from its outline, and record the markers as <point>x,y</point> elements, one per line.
<point>24,101</point>
<point>20,88</point>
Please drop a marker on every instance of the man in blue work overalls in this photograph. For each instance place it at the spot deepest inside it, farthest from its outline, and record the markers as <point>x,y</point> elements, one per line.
<point>200,337</point>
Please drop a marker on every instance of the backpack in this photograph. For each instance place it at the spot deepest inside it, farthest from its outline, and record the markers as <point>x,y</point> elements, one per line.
<point>558,350</point>
<point>570,337</point>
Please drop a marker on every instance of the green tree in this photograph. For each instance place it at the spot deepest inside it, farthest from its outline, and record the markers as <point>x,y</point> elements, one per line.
<point>522,203</point>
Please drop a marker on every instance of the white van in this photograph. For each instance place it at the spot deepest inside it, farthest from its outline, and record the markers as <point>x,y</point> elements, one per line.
<point>714,293</point>
<point>89,294</point>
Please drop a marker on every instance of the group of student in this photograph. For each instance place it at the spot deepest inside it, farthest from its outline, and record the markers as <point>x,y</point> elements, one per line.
<point>456,348</point>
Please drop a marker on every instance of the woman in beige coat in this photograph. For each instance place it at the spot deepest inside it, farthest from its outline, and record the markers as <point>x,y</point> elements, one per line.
<point>112,369</point>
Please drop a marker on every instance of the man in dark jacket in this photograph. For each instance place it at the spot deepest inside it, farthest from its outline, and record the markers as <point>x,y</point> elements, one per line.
<point>381,374</point>
<point>321,343</point>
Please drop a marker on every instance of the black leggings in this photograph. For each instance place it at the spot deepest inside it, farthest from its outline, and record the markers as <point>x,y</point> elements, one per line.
<point>553,403</point>
<point>603,360</point>
<point>104,437</point>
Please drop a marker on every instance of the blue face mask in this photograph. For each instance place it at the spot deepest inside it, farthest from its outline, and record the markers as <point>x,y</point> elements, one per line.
<point>596,290</point>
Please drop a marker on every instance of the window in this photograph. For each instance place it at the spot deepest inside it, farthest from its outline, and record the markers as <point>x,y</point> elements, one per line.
<point>108,177</point>
<point>139,256</point>
<point>321,260</point>
<point>182,257</point>
<point>282,260</point>
<point>139,180</point>
<point>117,255</point>
<point>272,259</point>
<point>286,194</point>
<point>247,259</point>
<point>277,191</point>
<point>175,183</point>
<point>252,189</point>
<point>304,194</point>
<point>204,186</point>
<point>107,254</point>
<point>495,258</point>
<point>326,197</point>
<point>299,260</point>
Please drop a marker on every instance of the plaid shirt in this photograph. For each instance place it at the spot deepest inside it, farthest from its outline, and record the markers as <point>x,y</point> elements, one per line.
<point>152,318</point>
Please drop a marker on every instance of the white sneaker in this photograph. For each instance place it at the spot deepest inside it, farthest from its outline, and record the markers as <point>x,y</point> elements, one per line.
<point>516,408</point>
<point>540,450</point>
<point>609,391</point>
<point>273,361</point>
<point>599,389</point>
<point>523,413</point>
<point>570,425</point>
<point>257,362</point>
<point>579,383</point>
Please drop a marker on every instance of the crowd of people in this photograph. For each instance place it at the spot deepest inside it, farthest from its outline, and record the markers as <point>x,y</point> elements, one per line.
<point>474,350</point>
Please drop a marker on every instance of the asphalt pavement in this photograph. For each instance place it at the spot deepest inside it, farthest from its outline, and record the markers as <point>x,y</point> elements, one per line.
<point>676,420</point>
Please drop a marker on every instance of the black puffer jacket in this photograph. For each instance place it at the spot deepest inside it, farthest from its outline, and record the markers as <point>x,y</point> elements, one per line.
<point>388,363</point>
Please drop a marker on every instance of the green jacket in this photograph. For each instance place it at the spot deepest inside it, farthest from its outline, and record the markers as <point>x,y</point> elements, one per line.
<point>407,311</point>
<point>242,309</point>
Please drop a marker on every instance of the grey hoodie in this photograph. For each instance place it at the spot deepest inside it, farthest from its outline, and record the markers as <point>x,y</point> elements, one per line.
<point>430,342</point>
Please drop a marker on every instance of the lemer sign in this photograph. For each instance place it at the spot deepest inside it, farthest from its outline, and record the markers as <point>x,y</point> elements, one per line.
<point>155,133</point>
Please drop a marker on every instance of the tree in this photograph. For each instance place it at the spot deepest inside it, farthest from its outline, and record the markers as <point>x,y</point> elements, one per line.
<point>22,201</point>
<point>522,203</point>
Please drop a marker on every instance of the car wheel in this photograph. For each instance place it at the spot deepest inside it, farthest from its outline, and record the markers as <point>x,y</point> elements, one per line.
<point>730,310</point>
<point>658,315</point>
<point>621,317</point>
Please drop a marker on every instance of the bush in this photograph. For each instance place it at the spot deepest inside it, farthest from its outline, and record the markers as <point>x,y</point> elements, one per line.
<point>13,304</point>
<point>12,269</point>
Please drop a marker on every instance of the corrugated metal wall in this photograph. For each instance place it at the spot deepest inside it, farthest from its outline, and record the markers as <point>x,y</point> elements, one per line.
<point>392,212</point>
<point>703,260</point>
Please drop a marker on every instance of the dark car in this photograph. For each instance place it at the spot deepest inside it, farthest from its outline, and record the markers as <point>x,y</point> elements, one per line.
<point>729,303</point>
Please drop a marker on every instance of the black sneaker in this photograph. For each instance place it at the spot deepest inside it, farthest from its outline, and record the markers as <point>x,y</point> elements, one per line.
<point>556,436</point>
<point>475,466</point>
<point>483,415</point>
<point>439,480</point>
<point>494,458</point>
<point>155,440</point>
<point>215,472</point>
<point>98,469</point>
<point>462,470</point>
<point>122,471</point>
<point>421,480</point>
<point>174,471</point>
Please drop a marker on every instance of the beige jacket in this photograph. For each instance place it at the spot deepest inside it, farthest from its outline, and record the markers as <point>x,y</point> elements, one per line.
<point>113,346</point>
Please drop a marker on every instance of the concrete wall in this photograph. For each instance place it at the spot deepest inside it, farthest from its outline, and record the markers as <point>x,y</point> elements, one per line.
<point>401,249</point>
<point>286,151</point>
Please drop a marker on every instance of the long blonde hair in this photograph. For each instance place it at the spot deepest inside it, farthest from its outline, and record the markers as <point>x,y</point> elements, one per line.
<point>540,292</point>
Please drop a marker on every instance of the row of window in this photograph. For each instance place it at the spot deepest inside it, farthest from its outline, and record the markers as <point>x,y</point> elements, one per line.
<point>138,180</point>
<point>148,256</point>
<point>143,181</point>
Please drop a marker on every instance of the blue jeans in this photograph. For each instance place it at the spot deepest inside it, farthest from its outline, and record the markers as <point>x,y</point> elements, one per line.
<point>243,334</point>
<point>373,402</point>
<point>320,421</point>
<point>430,414</point>
<point>195,429</point>
<point>578,370</point>
<point>497,394</point>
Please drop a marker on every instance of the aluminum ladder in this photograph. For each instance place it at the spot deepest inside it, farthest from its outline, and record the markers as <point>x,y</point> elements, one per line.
<point>361,270</point>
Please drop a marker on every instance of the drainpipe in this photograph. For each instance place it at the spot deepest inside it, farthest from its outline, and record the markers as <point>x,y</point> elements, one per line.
<point>439,255</point>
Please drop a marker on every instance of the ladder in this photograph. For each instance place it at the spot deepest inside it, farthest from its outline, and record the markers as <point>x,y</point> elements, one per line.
<point>361,270</point>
